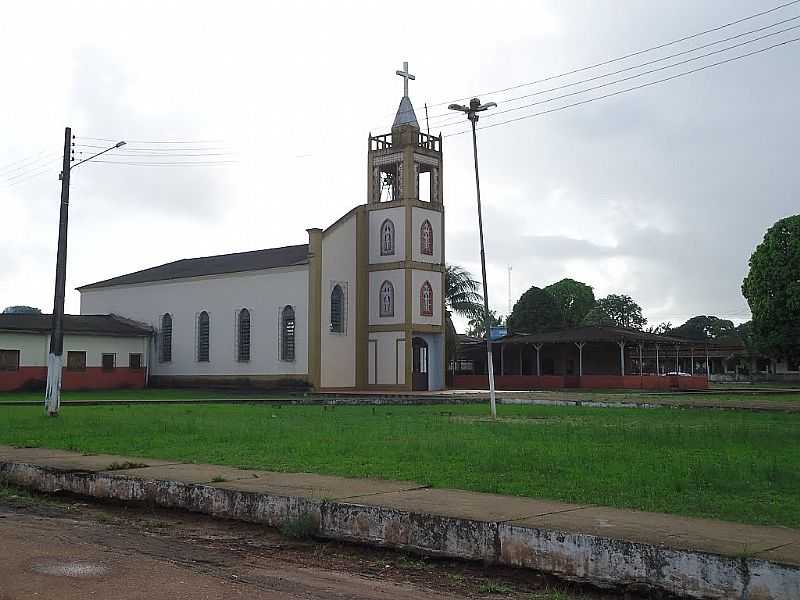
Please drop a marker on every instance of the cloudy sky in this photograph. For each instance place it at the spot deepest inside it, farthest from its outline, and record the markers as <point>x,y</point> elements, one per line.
<point>661,193</point>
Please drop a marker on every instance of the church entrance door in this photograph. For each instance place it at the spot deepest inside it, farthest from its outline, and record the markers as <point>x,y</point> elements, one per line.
<point>419,377</point>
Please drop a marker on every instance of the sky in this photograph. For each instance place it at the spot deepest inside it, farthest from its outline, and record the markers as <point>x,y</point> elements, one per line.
<point>661,193</point>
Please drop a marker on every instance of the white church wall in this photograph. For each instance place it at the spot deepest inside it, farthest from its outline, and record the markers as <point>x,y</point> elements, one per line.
<point>33,347</point>
<point>435,279</point>
<point>389,357</point>
<point>338,350</point>
<point>376,218</point>
<point>398,281</point>
<point>418,216</point>
<point>263,293</point>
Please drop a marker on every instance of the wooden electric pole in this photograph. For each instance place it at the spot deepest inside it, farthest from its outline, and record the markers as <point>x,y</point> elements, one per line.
<point>55,358</point>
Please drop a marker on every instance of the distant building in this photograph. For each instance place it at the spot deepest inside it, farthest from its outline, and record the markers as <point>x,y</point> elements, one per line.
<point>101,351</point>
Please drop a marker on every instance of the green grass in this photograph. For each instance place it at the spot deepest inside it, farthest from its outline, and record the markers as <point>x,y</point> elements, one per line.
<point>732,465</point>
<point>145,394</point>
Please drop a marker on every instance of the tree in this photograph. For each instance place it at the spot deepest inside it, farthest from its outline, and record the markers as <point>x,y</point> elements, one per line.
<point>704,327</point>
<point>663,328</point>
<point>461,297</point>
<point>535,311</point>
<point>476,327</point>
<point>772,289</point>
<point>575,299</point>
<point>616,310</point>
<point>28,310</point>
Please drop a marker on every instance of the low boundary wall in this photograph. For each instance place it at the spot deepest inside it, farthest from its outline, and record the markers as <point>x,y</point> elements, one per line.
<point>550,382</point>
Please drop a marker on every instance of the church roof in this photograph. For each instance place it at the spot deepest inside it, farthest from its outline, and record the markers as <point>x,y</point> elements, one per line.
<point>405,114</point>
<point>75,324</point>
<point>255,260</point>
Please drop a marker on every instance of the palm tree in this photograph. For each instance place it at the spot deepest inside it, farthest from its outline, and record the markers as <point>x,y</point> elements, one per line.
<point>462,297</point>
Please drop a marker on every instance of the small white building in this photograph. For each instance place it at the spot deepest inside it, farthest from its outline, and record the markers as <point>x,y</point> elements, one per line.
<point>361,306</point>
<point>101,351</point>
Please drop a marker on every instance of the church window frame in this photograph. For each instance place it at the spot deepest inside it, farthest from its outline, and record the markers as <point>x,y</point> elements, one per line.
<point>203,347</point>
<point>165,339</point>
<point>244,330</point>
<point>426,238</point>
<point>387,238</point>
<point>426,300</point>
<point>338,309</point>
<point>288,328</point>
<point>386,299</point>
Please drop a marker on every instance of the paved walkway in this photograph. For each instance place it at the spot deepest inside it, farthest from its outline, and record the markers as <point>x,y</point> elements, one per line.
<point>513,515</point>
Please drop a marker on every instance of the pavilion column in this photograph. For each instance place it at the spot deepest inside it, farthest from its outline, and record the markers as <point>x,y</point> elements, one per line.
<point>677,359</point>
<point>708,365</point>
<point>621,345</point>
<point>580,346</point>
<point>658,367</point>
<point>691,354</point>
<point>641,364</point>
<point>538,360</point>
<point>502,359</point>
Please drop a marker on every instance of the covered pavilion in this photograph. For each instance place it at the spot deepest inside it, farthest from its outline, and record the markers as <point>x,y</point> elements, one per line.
<point>588,357</point>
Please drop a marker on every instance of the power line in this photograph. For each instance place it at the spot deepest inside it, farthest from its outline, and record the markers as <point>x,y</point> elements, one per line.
<point>158,155</point>
<point>657,60</point>
<point>630,89</point>
<point>165,164</point>
<point>630,55</point>
<point>98,139</point>
<point>610,83</point>
<point>27,162</point>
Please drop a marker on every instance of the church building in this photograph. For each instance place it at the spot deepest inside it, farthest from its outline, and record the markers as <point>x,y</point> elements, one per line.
<point>359,307</point>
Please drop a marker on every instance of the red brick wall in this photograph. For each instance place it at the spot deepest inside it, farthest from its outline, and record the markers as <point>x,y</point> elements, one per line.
<point>532,382</point>
<point>93,378</point>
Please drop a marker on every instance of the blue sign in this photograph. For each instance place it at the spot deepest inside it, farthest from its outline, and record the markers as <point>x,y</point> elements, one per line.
<point>495,333</point>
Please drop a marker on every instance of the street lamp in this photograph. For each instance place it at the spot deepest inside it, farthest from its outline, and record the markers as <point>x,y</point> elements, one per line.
<point>55,358</point>
<point>472,111</point>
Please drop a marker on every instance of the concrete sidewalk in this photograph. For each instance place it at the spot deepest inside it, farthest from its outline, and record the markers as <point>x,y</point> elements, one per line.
<point>608,547</point>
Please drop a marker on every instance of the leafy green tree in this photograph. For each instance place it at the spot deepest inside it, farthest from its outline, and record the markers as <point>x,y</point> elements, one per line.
<point>535,311</point>
<point>477,327</point>
<point>574,298</point>
<point>772,289</point>
<point>704,327</point>
<point>663,328</point>
<point>616,310</point>
<point>28,310</point>
<point>462,298</point>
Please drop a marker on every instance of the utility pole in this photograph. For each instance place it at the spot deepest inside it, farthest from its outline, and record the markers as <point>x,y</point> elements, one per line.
<point>472,111</point>
<point>55,357</point>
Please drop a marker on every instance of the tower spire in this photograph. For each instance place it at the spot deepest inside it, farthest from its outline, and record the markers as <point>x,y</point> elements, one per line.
<point>405,112</point>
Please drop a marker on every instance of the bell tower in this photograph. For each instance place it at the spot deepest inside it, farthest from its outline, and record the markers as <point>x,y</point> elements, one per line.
<point>406,254</point>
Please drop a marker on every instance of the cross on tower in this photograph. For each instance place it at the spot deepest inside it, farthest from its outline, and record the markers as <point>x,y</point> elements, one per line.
<point>406,76</point>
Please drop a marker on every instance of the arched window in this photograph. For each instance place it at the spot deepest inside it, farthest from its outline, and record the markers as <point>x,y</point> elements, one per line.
<point>426,300</point>
<point>287,333</point>
<point>387,238</point>
<point>387,299</point>
<point>426,238</point>
<point>203,330</point>
<point>166,338</point>
<point>337,309</point>
<point>243,336</point>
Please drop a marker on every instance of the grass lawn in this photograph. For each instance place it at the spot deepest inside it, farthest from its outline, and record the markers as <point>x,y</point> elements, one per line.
<point>145,394</point>
<point>737,466</point>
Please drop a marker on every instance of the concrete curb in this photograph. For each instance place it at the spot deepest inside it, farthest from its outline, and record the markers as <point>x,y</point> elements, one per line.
<point>658,401</point>
<point>602,561</point>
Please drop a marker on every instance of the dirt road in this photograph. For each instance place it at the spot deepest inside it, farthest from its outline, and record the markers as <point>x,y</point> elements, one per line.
<point>71,550</point>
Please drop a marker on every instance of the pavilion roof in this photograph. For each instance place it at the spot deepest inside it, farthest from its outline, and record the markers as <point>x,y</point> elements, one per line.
<point>598,334</point>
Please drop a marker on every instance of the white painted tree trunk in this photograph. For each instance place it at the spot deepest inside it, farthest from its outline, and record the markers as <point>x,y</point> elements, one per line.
<point>52,397</point>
